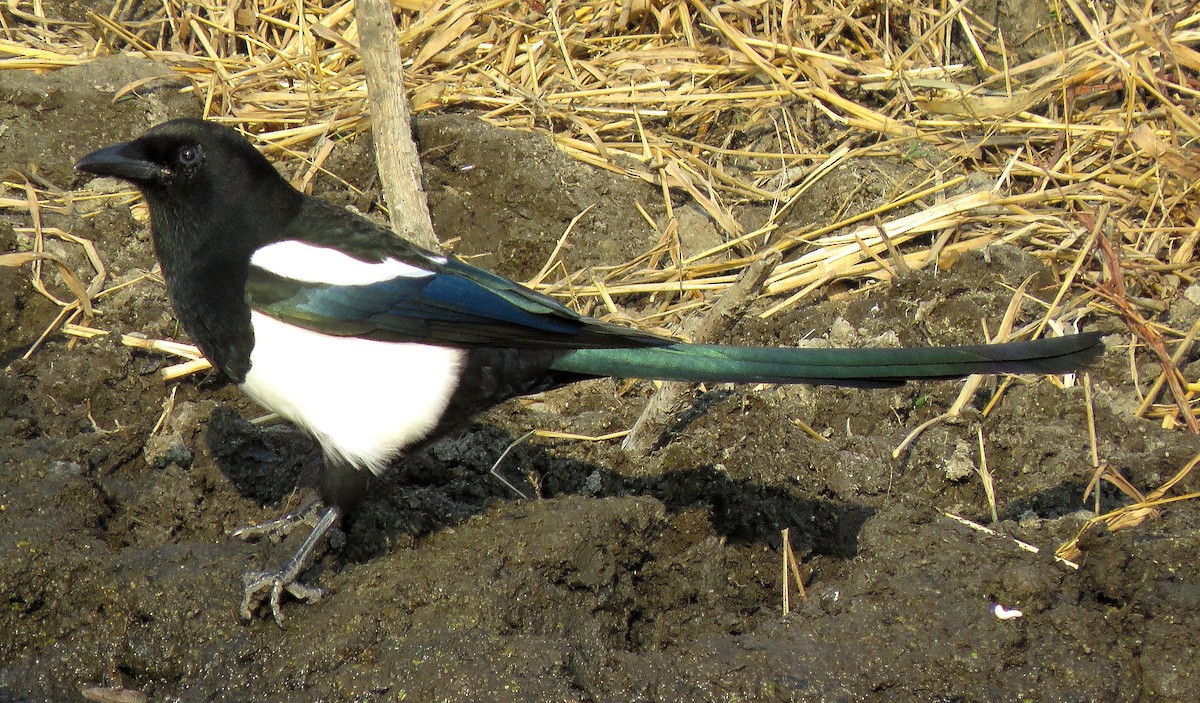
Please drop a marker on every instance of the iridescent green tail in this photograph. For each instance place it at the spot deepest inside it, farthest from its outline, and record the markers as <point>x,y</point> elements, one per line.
<point>842,367</point>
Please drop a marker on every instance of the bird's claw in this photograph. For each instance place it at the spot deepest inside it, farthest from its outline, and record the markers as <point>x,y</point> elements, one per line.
<point>260,586</point>
<point>269,586</point>
<point>279,528</point>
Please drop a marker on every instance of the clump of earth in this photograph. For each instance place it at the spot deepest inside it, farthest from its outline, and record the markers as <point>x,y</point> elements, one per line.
<point>609,578</point>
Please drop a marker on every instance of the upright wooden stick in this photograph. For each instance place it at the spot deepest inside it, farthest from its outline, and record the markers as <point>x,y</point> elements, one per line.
<point>395,152</point>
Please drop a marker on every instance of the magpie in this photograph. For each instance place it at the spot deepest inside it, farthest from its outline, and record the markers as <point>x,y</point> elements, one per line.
<point>376,347</point>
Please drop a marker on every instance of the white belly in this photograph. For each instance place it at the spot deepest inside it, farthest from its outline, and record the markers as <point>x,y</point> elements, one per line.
<point>363,400</point>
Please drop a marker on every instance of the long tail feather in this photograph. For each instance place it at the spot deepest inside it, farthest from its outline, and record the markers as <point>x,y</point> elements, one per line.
<point>844,367</point>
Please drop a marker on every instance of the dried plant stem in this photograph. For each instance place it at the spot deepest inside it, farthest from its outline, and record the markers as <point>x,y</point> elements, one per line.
<point>668,398</point>
<point>395,152</point>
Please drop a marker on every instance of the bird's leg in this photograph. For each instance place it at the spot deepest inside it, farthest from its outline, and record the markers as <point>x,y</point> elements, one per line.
<point>279,528</point>
<point>270,585</point>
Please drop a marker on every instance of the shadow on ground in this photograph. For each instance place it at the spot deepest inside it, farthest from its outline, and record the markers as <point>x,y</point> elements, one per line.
<point>615,580</point>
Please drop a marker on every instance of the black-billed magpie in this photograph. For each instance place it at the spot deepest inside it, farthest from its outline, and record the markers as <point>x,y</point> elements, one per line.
<point>375,346</point>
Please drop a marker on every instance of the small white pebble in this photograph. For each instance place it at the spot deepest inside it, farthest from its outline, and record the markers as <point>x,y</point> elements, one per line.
<point>1003,613</point>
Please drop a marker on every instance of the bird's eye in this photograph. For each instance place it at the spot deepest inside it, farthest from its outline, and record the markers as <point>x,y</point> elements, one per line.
<point>188,156</point>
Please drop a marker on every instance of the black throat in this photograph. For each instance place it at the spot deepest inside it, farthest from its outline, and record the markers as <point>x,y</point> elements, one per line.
<point>205,255</point>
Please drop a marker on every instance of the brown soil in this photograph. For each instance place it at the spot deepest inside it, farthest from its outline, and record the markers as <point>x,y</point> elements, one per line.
<point>615,580</point>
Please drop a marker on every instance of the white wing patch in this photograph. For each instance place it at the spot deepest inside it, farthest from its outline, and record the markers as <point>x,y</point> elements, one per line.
<point>313,264</point>
<point>365,401</point>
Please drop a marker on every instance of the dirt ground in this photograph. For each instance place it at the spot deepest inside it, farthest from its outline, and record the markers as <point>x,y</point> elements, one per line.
<point>615,579</point>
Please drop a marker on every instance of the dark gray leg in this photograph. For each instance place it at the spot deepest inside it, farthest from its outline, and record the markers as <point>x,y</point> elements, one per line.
<point>269,585</point>
<point>279,528</point>
<point>342,487</point>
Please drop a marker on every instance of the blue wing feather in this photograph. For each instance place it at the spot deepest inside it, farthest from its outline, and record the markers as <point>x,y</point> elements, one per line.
<point>445,308</point>
<point>459,305</point>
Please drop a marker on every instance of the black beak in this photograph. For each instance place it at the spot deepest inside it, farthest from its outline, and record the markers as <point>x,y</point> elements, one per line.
<point>121,161</point>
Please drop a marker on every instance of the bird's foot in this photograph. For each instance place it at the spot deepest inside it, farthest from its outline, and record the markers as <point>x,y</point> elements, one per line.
<point>269,586</point>
<point>279,528</point>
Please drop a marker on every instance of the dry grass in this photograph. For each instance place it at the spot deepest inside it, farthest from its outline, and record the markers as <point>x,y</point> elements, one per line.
<point>1086,156</point>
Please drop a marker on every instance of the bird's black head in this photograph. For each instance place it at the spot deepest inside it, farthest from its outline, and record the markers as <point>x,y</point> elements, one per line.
<point>213,200</point>
<point>180,156</point>
<point>199,177</point>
